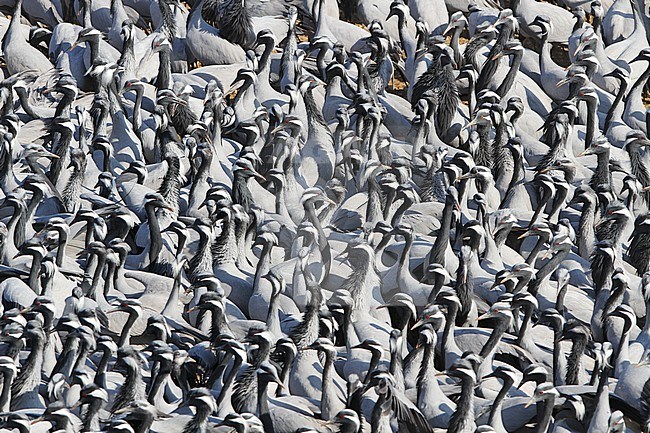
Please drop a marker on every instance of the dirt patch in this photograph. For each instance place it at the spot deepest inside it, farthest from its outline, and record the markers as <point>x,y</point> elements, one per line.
<point>398,87</point>
<point>397,84</point>
<point>560,55</point>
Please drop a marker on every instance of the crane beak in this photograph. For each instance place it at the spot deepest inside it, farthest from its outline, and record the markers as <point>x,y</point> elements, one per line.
<point>417,324</point>
<point>121,411</point>
<point>259,177</point>
<point>471,123</point>
<point>562,82</point>
<point>524,235</point>
<point>278,128</point>
<point>507,278</point>
<point>235,86</point>
<point>495,286</point>
<point>529,403</point>
<point>499,21</point>
<point>420,54</point>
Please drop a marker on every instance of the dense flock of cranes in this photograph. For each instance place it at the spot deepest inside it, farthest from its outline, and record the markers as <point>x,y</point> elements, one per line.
<point>317,216</point>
